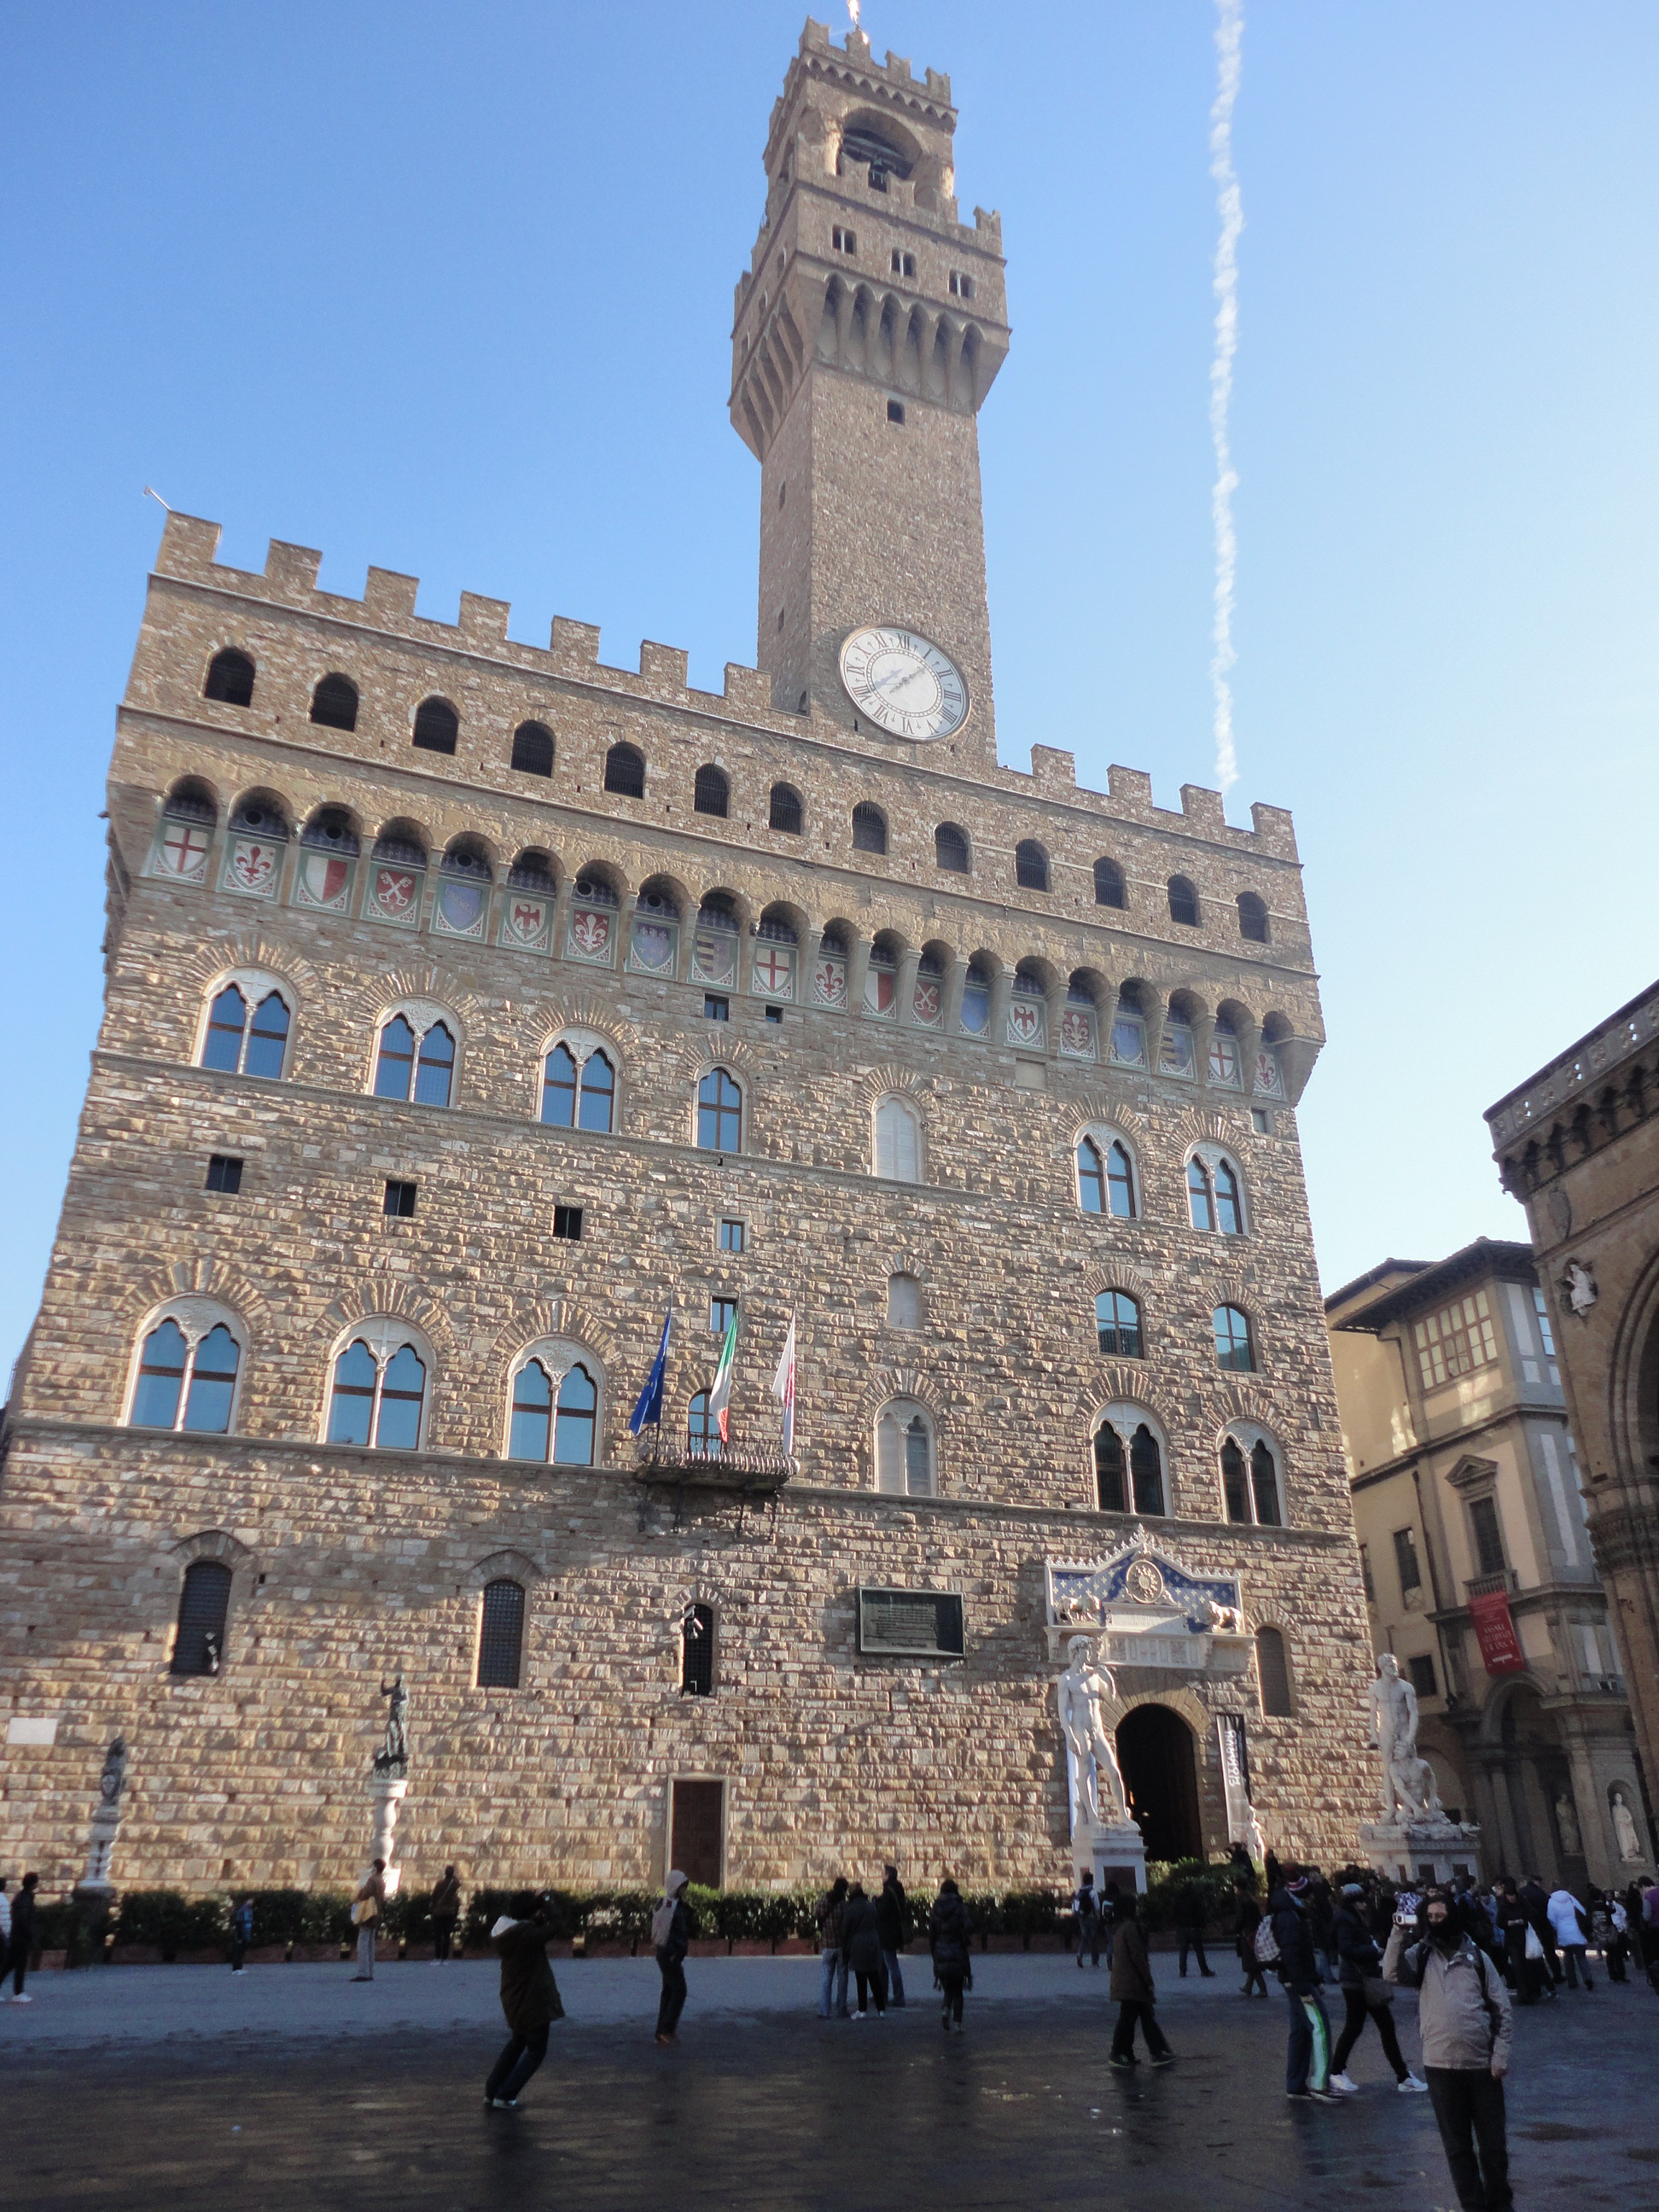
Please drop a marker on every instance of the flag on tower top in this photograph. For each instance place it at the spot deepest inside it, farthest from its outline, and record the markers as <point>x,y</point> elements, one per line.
<point>783,1387</point>
<point>720,1396</point>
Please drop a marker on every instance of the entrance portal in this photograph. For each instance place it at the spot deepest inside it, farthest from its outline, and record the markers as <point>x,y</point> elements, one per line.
<point>697,1842</point>
<point>1155,1750</point>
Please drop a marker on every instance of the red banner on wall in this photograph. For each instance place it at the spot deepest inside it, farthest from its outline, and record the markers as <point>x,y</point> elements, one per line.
<point>1494,1629</point>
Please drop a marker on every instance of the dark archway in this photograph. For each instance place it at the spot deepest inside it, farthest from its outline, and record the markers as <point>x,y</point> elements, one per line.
<point>1155,1750</point>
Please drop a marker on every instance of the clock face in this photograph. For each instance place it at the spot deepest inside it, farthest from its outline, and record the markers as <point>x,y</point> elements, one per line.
<point>905,686</point>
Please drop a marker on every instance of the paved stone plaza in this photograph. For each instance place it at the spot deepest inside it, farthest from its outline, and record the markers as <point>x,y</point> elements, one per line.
<point>289,2088</point>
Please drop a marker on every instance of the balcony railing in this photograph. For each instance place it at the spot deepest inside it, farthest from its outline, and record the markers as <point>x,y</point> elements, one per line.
<point>677,1464</point>
<point>1489,1585</point>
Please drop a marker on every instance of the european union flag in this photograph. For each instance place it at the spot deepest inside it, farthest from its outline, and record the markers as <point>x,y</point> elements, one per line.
<point>649,1409</point>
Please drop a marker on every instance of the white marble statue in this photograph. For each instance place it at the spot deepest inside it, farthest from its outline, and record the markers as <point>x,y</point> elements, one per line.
<point>1098,1791</point>
<point>1624,1828</point>
<point>1408,1785</point>
<point>1567,1824</point>
<point>1579,1285</point>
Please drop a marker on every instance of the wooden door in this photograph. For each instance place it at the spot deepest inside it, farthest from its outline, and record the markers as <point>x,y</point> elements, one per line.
<point>697,1837</point>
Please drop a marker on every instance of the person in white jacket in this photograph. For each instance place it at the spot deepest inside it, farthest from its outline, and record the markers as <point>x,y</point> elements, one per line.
<point>1567,1919</point>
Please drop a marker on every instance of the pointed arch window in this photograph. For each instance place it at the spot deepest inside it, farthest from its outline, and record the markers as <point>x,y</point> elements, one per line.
<point>1274,1670</point>
<point>898,1141</point>
<point>500,1635</point>
<point>1234,1345</point>
<point>904,1302</point>
<point>697,1651</point>
<point>1213,1202</point>
<point>533,1413</point>
<point>577,1419</point>
<point>430,1062</point>
<point>1105,1179</point>
<point>1250,1479</point>
<point>579,1096</point>
<point>187,1383</point>
<point>199,1642</point>
<point>238,1047</point>
<point>904,1451</point>
<point>379,1397</point>
<point>1128,1463</point>
<point>719,1113</point>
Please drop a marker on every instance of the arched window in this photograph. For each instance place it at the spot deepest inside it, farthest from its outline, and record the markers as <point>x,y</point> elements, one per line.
<point>577,1413</point>
<point>1091,1177</point>
<point>221,1047</point>
<point>719,1113</point>
<point>186,1381</point>
<point>1183,902</point>
<point>378,1396</point>
<point>697,1651</point>
<point>199,1642</point>
<point>1117,1324</point>
<point>231,1043</point>
<point>1128,1463</point>
<point>869,829</point>
<point>904,1450</point>
<point>1109,885</point>
<point>1253,917</point>
<point>532,754</point>
<point>784,812</point>
<point>702,1429</point>
<point>1213,1194</point>
<point>1235,1349</point>
<point>898,1141</point>
<point>711,794</point>
<point>334,703</point>
<point>1250,1478</point>
<point>230,678</point>
<point>431,1062</point>
<point>1030,865</point>
<point>1229,1217</point>
<point>624,771</point>
<point>1235,1481</point>
<point>1112,1490</point>
<point>904,1302</point>
<point>950,849</point>
<point>1273,1667</point>
<point>578,1096</point>
<point>1200,1200</point>
<point>1264,1485</point>
<point>556,1407</point>
<point>1147,1470</point>
<point>437,726</point>
<point>533,1413</point>
<point>1105,1180</point>
<point>500,1635</point>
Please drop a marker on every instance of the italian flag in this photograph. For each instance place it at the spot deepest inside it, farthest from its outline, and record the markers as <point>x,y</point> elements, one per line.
<point>720,1396</point>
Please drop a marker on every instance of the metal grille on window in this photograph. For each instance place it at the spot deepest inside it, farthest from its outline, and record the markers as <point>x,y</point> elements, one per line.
<point>697,1651</point>
<point>501,1636</point>
<point>203,1604</point>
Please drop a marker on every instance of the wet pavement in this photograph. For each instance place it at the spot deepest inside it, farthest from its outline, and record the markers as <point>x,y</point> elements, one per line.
<point>762,2104</point>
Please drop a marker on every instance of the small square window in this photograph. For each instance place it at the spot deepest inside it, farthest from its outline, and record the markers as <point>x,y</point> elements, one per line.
<point>400,1200</point>
<point>775,1013</point>
<point>568,1223</point>
<point>895,411</point>
<point>1261,1121</point>
<point>224,1174</point>
<point>715,1010</point>
<point>1423,1680</point>
<point>733,1237</point>
<point>720,1313</point>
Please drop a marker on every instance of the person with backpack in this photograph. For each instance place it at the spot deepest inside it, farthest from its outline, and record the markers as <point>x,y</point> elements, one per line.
<point>1133,1987</point>
<point>860,1942</point>
<point>670,1939</point>
<point>1086,1905</point>
<point>1464,2021</point>
<point>1284,1940</point>
<point>950,1932</point>
<point>530,1999</point>
<point>1571,1927</point>
<point>1365,1995</point>
<point>832,1996</point>
<point>1249,1919</point>
<point>241,1933</point>
<point>893,1924</point>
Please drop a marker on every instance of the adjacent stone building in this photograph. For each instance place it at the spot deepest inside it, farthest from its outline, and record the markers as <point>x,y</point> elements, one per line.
<point>473,1003</point>
<point>1579,1144</point>
<point>1479,1575</point>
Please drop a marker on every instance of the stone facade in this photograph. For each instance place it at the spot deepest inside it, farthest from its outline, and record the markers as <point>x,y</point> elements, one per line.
<point>1467,1498</point>
<point>1577,1146</point>
<point>508,909</point>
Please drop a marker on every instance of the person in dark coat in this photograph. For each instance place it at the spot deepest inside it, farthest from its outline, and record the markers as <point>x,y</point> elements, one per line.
<point>1244,1928</point>
<point>1364,1994</point>
<point>21,1954</point>
<point>832,1996</point>
<point>444,1910</point>
<point>671,1937</point>
<point>1085,1904</point>
<point>1190,1914</point>
<point>949,1933</point>
<point>893,1921</point>
<point>861,1940</point>
<point>1536,1899</point>
<point>1133,1987</point>
<point>530,1999</point>
<point>1307,2058</point>
<point>241,1933</point>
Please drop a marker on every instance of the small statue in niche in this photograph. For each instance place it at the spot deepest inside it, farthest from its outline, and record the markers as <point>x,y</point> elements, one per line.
<point>1624,1828</point>
<point>393,1756</point>
<point>1579,1285</point>
<point>1567,1824</point>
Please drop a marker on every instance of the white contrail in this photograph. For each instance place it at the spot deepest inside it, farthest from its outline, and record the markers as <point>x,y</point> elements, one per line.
<point>1229,41</point>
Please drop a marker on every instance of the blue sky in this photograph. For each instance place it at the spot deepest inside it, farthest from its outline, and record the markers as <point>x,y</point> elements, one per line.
<point>449,290</point>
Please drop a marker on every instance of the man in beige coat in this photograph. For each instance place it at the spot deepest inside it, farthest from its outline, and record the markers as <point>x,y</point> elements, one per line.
<point>1463,2020</point>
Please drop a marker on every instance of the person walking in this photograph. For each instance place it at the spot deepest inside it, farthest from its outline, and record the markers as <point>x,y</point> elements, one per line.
<point>1086,1905</point>
<point>893,1921</point>
<point>861,1940</point>
<point>1536,1900</point>
<point>1570,1928</point>
<point>444,1909</point>
<point>530,1999</point>
<point>242,1932</point>
<point>20,1952</point>
<point>366,1910</point>
<point>1463,2019</point>
<point>1523,1954</point>
<point>1133,1987</point>
<point>1615,1950</point>
<point>949,1934</point>
<point>1248,1920</point>
<point>670,1939</point>
<point>5,1928</point>
<point>1308,2055</point>
<point>1365,1995</point>
<point>1191,1911</point>
<point>832,1995</point>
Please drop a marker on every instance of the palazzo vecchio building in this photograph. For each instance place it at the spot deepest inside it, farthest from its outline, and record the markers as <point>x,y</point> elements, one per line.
<point>472,1004</point>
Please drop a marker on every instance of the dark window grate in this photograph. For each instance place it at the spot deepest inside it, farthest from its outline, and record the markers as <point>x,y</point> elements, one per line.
<point>203,1604</point>
<point>224,1174</point>
<point>400,1200</point>
<point>697,1652</point>
<point>501,1636</point>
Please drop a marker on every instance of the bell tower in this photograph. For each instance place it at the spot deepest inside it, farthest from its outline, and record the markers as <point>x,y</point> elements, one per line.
<point>868,332</point>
